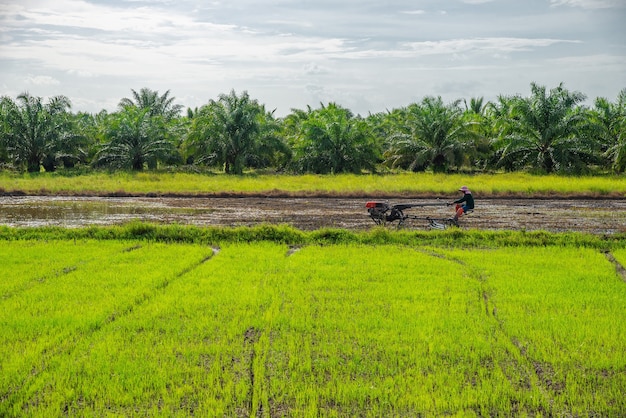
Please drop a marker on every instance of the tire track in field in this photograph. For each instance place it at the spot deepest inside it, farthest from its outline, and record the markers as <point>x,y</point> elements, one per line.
<point>61,346</point>
<point>484,290</point>
<point>53,275</point>
<point>619,268</point>
<point>68,343</point>
<point>257,344</point>
<point>146,297</point>
<point>250,339</point>
<point>38,280</point>
<point>519,373</point>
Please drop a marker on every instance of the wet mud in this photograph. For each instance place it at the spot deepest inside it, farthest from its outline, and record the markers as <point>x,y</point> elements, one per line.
<point>599,216</point>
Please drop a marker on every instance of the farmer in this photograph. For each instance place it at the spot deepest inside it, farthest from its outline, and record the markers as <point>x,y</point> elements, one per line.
<point>463,205</point>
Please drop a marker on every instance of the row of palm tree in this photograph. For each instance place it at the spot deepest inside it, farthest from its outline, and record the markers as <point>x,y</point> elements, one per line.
<point>547,131</point>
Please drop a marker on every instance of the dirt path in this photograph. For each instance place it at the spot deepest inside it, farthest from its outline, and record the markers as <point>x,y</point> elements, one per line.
<point>586,215</point>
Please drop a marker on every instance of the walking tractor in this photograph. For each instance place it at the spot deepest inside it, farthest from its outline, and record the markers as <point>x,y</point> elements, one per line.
<point>383,213</point>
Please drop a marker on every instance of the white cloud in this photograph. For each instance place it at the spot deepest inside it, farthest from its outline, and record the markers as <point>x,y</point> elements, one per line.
<point>493,45</point>
<point>476,1</point>
<point>162,42</point>
<point>41,80</point>
<point>290,53</point>
<point>590,4</point>
<point>592,63</point>
<point>456,48</point>
<point>315,69</point>
<point>78,73</point>
<point>77,15</point>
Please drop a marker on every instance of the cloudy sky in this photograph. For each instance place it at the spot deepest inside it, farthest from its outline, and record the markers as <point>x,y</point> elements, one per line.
<point>368,56</point>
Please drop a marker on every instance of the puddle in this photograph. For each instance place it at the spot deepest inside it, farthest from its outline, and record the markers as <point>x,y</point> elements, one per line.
<point>84,211</point>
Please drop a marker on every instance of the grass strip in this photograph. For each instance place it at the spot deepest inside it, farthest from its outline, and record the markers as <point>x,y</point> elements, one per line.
<point>366,185</point>
<point>288,235</point>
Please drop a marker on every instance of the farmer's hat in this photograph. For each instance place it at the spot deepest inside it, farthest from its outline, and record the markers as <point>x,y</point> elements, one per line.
<point>465,190</point>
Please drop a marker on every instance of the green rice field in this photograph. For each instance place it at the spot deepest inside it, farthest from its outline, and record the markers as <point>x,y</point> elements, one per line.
<point>142,328</point>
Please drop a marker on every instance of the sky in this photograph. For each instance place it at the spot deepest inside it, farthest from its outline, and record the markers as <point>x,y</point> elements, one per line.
<point>368,56</point>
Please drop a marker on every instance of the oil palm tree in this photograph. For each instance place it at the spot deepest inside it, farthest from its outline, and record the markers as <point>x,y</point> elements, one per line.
<point>331,140</point>
<point>134,138</point>
<point>476,114</point>
<point>272,149</point>
<point>231,131</point>
<point>544,131</point>
<point>434,135</point>
<point>608,126</point>
<point>146,98</point>
<point>37,133</point>
<point>476,105</point>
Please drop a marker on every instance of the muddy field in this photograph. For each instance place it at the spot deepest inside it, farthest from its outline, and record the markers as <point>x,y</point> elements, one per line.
<point>585,215</point>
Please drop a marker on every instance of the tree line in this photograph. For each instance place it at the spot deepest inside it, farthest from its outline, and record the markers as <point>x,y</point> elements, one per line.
<point>547,131</point>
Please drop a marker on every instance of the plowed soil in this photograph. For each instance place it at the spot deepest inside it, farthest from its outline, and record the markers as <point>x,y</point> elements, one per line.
<point>599,216</point>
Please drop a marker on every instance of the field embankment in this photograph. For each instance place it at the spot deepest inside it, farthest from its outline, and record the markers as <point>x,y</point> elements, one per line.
<point>283,234</point>
<point>405,185</point>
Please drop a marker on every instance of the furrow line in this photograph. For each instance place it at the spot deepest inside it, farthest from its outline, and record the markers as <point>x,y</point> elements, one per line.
<point>619,268</point>
<point>148,296</point>
<point>37,280</point>
<point>53,275</point>
<point>527,366</point>
<point>66,345</point>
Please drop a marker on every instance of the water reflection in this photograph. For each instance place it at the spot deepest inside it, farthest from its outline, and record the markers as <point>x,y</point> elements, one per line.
<point>83,211</point>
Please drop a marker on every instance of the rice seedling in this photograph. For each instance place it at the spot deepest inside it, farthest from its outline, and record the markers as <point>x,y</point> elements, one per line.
<point>344,329</point>
<point>620,256</point>
<point>24,264</point>
<point>43,320</point>
<point>562,309</point>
